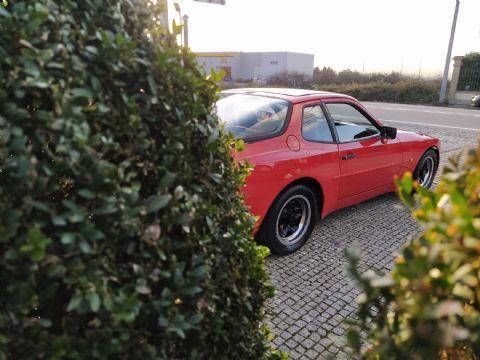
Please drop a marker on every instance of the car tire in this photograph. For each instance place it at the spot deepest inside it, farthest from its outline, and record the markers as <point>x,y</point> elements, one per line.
<point>290,220</point>
<point>426,169</point>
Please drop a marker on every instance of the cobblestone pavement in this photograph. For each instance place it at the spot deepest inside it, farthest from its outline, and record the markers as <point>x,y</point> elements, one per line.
<point>314,295</point>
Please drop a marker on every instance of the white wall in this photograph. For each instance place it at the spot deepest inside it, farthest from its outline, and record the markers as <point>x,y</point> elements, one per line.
<point>248,66</point>
<point>300,63</point>
<point>465,97</point>
<point>261,66</point>
<point>215,62</point>
<point>272,64</point>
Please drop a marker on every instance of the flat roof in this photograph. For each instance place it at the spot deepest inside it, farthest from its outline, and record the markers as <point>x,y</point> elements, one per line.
<point>293,95</point>
<point>217,54</point>
<point>233,53</point>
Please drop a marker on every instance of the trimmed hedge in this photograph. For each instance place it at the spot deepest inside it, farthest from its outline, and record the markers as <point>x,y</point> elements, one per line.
<point>405,91</point>
<point>122,231</point>
<point>327,76</point>
<point>429,307</point>
<point>469,77</point>
<point>471,60</point>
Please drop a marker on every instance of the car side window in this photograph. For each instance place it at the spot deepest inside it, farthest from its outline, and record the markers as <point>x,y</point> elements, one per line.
<point>350,123</point>
<point>315,125</point>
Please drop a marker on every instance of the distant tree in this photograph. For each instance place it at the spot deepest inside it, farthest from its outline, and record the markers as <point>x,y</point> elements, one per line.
<point>290,79</point>
<point>325,76</point>
<point>328,76</point>
<point>471,60</point>
<point>348,76</point>
<point>394,77</point>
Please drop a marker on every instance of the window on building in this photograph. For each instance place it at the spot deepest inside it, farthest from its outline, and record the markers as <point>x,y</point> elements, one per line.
<point>227,70</point>
<point>350,123</point>
<point>274,62</point>
<point>315,125</point>
<point>251,117</point>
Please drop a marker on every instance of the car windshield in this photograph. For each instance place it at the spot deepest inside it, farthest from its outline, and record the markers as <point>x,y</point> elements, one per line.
<point>251,117</point>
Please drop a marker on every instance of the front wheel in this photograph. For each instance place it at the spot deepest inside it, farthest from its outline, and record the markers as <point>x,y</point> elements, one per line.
<point>426,169</point>
<point>290,220</point>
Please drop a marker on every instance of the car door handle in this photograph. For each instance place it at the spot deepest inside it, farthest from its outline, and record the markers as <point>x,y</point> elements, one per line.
<point>349,156</point>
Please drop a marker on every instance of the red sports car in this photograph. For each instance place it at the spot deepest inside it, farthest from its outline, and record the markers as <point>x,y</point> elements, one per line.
<point>313,153</point>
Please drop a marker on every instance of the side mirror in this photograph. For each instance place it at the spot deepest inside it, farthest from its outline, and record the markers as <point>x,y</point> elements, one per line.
<point>389,132</point>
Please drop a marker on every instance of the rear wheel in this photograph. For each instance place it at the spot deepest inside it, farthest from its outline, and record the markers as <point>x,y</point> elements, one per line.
<point>290,220</point>
<point>426,169</point>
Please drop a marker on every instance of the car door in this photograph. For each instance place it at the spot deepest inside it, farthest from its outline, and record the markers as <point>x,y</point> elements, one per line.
<point>319,152</point>
<point>367,161</point>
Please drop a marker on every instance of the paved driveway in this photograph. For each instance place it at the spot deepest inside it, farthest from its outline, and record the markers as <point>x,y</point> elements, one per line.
<point>314,295</point>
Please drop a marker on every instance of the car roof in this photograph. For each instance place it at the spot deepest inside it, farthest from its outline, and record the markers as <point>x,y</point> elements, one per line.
<point>292,95</point>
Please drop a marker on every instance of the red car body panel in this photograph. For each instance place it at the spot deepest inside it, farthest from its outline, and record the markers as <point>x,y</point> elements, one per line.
<point>280,161</point>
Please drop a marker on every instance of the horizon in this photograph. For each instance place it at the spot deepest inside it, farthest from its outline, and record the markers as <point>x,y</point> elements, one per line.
<point>418,49</point>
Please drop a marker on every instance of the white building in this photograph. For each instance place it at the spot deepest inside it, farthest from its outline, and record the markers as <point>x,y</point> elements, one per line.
<point>257,66</point>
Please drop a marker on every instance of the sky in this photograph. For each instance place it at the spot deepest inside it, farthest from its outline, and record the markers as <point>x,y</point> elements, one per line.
<point>363,35</point>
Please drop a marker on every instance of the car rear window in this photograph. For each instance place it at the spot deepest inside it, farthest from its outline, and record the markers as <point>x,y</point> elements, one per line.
<point>315,125</point>
<point>252,117</point>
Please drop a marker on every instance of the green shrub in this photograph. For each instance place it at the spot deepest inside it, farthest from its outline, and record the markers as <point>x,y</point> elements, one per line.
<point>429,306</point>
<point>290,79</point>
<point>471,60</point>
<point>328,76</point>
<point>122,232</point>
<point>405,91</point>
<point>469,77</point>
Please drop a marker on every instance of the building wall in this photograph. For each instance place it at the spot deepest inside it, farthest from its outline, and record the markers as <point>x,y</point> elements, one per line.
<point>465,97</point>
<point>257,66</point>
<point>261,66</point>
<point>272,64</point>
<point>300,63</point>
<point>220,62</point>
<point>249,65</point>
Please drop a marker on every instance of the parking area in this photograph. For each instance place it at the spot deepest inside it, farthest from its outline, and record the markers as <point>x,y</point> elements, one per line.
<point>314,295</point>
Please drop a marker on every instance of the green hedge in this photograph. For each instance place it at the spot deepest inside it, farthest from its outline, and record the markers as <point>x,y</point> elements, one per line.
<point>327,76</point>
<point>469,77</point>
<point>429,306</point>
<point>471,60</point>
<point>406,91</point>
<point>122,232</point>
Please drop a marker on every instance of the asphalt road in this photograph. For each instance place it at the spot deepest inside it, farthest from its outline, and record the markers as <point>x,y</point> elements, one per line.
<point>314,295</point>
<point>431,116</point>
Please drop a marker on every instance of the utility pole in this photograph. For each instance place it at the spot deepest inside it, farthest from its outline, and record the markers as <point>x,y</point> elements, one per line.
<point>185,30</point>
<point>164,18</point>
<point>443,89</point>
<point>179,11</point>
<point>163,13</point>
